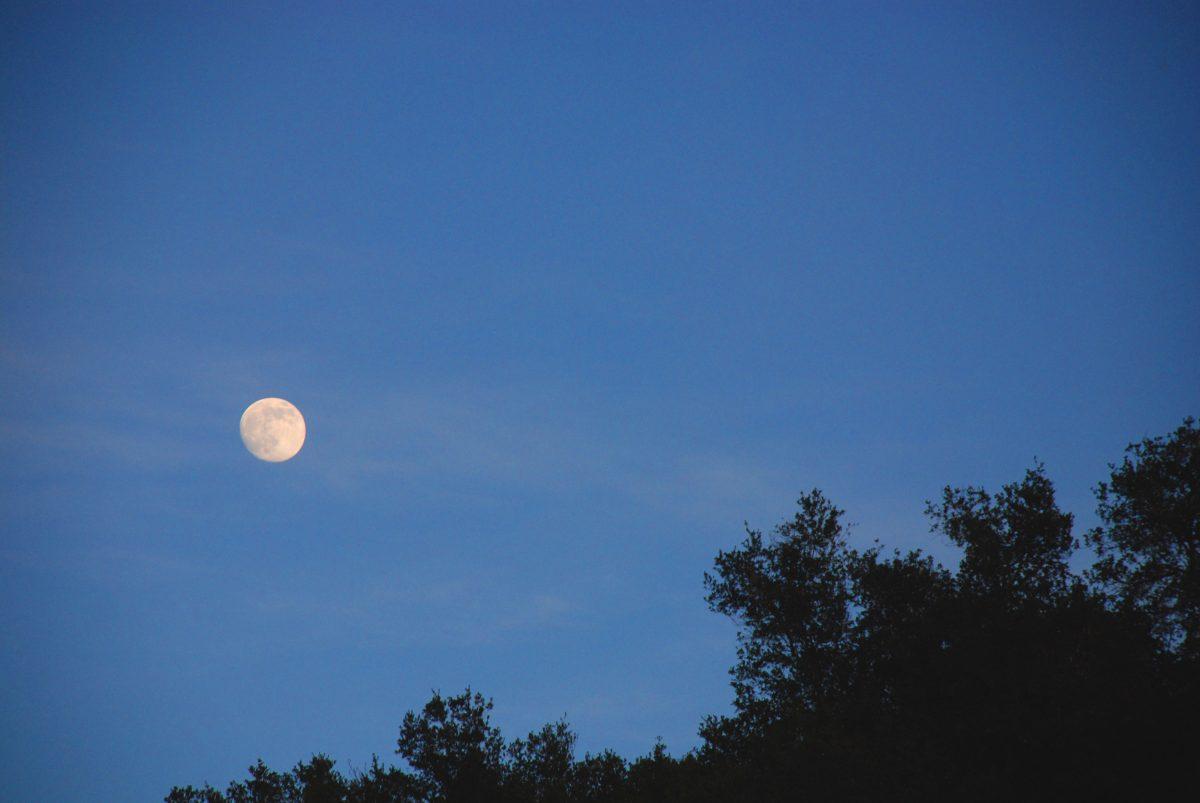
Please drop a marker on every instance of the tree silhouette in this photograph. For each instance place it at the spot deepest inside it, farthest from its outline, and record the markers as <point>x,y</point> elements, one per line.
<point>539,766</point>
<point>453,748</point>
<point>864,676</point>
<point>1149,543</point>
<point>1015,545</point>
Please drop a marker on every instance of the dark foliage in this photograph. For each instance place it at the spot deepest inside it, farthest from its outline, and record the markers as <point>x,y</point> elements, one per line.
<point>861,676</point>
<point>1149,544</point>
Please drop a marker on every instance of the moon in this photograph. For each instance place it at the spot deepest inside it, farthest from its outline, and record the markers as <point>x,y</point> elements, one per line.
<point>273,430</point>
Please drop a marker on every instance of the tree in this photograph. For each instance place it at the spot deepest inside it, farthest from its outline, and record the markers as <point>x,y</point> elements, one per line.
<point>454,749</point>
<point>1015,545</point>
<point>380,784</point>
<point>598,779</point>
<point>319,782</point>
<point>539,766</point>
<point>790,594</point>
<point>863,677</point>
<point>264,786</point>
<point>1149,542</point>
<point>190,794</point>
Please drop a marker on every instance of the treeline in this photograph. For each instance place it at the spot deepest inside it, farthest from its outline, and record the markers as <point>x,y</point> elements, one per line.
<point>869,676</point>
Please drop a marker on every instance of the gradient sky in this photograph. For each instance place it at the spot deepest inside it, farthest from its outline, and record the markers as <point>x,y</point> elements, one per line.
<point>566,293</point>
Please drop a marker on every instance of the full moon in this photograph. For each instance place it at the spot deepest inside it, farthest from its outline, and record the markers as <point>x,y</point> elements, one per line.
<point>273,430</point>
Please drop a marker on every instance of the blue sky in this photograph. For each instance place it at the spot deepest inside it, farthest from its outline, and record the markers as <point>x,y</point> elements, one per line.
<point>566,293</point>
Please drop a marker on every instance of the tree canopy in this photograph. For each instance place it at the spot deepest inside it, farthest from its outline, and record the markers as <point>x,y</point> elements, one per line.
<point>861,675</point>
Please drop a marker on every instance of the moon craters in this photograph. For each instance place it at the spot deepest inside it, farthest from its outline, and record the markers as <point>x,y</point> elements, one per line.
<point>273,430</point>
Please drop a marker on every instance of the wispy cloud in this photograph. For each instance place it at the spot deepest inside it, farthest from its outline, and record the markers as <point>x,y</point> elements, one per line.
<point>425,612</point>
<point>519,438</point>
<point>437,436</point>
